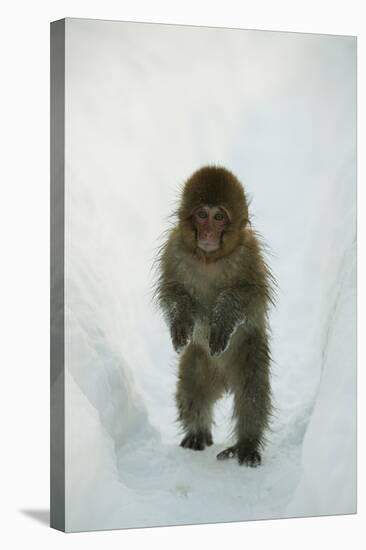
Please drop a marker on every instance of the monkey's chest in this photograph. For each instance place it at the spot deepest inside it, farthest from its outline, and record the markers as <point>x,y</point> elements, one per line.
<point>204,292</point>
<point>204,282</point>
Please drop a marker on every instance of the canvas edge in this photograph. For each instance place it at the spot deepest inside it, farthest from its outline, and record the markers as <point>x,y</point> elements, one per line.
<point>57,255</point>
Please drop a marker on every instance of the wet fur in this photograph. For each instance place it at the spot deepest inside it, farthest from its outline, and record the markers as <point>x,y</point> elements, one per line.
<point>216,306</point>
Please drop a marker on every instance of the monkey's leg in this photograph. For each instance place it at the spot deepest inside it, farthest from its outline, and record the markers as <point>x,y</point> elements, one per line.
<point>250,383</point>
<point>199,386</point>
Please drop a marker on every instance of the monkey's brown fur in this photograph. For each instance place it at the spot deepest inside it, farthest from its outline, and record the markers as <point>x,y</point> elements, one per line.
<point>216,305</point>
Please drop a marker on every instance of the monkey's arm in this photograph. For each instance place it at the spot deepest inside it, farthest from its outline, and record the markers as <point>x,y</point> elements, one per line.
<point>234,306</point>
<point>179,309</point>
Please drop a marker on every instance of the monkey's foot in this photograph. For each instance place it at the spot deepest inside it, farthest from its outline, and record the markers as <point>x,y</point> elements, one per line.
<point>197,441</point>
<point>245,455</point>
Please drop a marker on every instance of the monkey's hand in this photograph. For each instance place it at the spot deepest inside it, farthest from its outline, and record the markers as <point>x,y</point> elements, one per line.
<point>181,331</point>
<point>226,317</point>
<point>219,338</point>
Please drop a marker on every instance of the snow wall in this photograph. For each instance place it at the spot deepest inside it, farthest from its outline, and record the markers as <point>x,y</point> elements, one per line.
<point>145,107</point>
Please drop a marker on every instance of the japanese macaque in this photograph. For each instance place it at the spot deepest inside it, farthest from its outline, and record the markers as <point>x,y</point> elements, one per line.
<point>215,289</point>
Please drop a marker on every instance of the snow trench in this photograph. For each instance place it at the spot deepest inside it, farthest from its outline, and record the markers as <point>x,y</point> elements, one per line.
<point>124,467</point>
<point>281,116</point>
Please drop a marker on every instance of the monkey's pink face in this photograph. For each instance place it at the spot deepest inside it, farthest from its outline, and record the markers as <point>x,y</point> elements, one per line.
<point>210,223</point>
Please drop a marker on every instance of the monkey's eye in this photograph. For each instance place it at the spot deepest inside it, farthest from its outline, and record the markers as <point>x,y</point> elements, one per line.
<point>219,216</point>
<point>202,214</point>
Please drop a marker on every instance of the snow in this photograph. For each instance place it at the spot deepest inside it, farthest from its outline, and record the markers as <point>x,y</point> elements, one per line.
<point>146,105</point>
<point>328,484</point>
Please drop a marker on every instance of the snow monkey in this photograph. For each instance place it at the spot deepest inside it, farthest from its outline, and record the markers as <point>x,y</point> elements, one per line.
<point>214,289</point>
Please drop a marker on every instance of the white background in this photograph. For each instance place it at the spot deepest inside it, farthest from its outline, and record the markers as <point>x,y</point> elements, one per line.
<point>25,265</point>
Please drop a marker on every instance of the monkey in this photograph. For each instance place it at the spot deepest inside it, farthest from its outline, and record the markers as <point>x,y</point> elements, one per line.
<point>215,290</point>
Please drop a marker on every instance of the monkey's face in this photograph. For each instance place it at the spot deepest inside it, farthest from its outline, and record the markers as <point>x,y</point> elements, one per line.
<point>210,223</point>
<point>213,214</point>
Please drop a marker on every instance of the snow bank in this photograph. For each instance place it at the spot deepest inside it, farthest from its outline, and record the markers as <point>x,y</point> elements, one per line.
<point>329,483</point>
<point>104,411</point>
<point>329,479</point>
<point>93,489</point>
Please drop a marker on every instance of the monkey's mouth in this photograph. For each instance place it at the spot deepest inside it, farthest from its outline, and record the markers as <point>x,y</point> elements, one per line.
<point>208,246</point>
